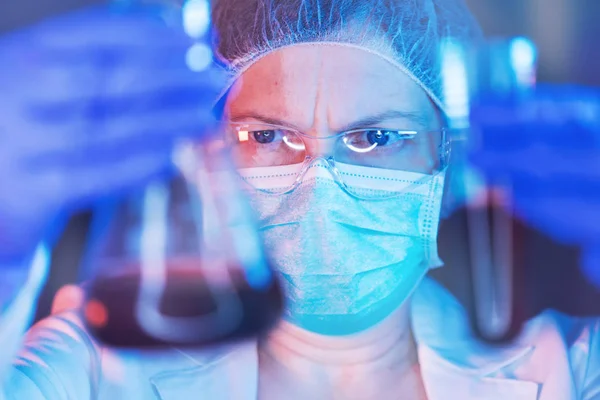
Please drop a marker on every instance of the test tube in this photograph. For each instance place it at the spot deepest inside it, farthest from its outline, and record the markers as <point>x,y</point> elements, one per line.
<point>505,69</point>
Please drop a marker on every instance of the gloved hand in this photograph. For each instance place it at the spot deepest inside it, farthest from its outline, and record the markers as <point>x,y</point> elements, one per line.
<point>548,148</point>
<point>91,104</point>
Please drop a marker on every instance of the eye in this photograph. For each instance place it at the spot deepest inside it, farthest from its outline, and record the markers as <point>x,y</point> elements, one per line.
<point>368,140</point>
<point>264,137</point>
<point>378,137</point>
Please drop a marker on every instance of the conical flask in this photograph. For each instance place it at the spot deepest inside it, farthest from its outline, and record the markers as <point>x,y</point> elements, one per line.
<point>180,262</point>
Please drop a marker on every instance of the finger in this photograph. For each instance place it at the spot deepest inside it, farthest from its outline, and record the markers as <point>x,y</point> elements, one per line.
<point>82,123</point>
<point>101,74</point>
<point>547,103</point>
<point>553,112</point>
<point>115,137</point>
<point>541,161</point>
<point>104,155</point>
<point>107,25</point>
<point>93,38</point>
<point>570,120</point>
<point>103,45</point>
<point>192,99</point>
<point>68,297</point>
<point>70,86</point>
<point>565,137</point>
<point>571,221</point>
<point>79,187</point>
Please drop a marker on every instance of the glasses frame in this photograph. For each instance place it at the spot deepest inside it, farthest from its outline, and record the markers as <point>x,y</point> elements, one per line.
<point>444,152</point>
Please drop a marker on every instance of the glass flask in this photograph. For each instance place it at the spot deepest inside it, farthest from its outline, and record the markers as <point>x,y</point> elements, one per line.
<point>180,262</point>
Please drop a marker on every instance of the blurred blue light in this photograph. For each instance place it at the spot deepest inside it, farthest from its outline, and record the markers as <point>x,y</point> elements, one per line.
<point>455,85</point>
<point>259,277</point>
<point>523,56</point>
<point>196,18</point>
<point>198,57</point>
<point>522,52</point>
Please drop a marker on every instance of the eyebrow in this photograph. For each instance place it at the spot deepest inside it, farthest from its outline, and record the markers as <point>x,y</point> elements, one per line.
<point>367,122</point>
<point>263,118</point>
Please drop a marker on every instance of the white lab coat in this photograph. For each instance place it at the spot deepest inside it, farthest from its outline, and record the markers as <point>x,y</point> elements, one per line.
<point>557,358</point>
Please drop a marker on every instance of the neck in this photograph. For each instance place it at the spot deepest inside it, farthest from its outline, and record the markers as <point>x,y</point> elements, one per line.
<point>377,363</point>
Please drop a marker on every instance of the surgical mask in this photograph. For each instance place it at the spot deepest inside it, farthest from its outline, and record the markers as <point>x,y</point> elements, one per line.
<point>347,263</point>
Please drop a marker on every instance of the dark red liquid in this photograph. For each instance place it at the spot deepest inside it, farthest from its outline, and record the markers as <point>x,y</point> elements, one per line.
<point>110,312</point>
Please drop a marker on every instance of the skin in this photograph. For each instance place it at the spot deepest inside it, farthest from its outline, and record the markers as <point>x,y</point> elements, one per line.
<point>322,90</point>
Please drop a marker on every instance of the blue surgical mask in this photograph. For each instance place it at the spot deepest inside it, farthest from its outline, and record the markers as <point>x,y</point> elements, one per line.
<point>346,263</point>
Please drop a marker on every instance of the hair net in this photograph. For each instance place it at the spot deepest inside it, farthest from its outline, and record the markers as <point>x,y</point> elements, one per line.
<point>407,33</point>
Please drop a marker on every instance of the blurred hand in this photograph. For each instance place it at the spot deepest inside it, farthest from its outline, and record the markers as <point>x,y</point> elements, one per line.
<point>91,104</point>
<point>548,148</point>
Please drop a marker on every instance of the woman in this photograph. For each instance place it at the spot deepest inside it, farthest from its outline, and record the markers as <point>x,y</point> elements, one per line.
<point>336,119</point>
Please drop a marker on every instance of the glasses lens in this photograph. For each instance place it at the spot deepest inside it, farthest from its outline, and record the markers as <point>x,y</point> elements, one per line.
<point>386,163</point>
<point>262,145</point>
<point>257,148</point>
<point>396,150</point>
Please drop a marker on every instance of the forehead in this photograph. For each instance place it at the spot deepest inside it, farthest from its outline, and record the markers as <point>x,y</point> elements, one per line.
<point>311,84</point>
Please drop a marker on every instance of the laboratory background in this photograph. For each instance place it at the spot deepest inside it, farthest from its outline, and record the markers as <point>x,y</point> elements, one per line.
<point>565,32</point>
<point>513,313</point>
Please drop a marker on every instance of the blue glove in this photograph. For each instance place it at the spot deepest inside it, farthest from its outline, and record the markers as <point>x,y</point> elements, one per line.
<point>91,104</point>
<point>548,147</point>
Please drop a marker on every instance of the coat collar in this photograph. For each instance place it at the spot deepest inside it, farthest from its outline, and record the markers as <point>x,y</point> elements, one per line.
<point>454,365</point>
<point>441,325</point>
<point>227,373</point>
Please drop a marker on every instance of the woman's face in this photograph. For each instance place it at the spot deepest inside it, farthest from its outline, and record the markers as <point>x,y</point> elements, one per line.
<point>322,90</point>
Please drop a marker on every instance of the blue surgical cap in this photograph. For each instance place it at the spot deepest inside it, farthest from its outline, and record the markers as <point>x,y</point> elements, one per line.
<point>407,33</point>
